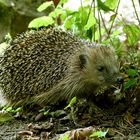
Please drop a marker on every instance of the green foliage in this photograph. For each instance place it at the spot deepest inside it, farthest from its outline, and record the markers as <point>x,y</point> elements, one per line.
<point>44,6</point>
<point>87,22</point>
<point>57,113</point>
<point>45,111</point>
<point>133,33</point>
<point>90,23</point>
<point>7,113</point>
<point>111,4</point>
<point>48,112</point>
<point>65,137</point>
<point>71,103</point>
<point>133,80</point>
<point>99,134</point>
<point>10,109</point>
<point>130,83</point>
<point>103,6</point>
<point>41,21</point>
<point>132,72</point>
<point>5,117</point>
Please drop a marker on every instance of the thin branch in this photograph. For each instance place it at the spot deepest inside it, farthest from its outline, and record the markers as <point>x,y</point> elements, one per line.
<point>94,24</point>
<point>105,26</point>
<point>99,26</point>
<point>89,11</point>
<point>82,12</point>
<point>136,11</point>
<point>113,19</point>
<point>103,22</point>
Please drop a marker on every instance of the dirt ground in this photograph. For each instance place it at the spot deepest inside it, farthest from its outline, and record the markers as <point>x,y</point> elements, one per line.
<point>121,119</point>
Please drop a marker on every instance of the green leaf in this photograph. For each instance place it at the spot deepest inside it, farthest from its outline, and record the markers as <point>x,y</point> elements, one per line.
<point>72,102</point>
<point>112,17</point>
<point>46,113</point>
<point>9,109</point>
<point>4,117</point>
<point>133,33</point>
<point>56,12</point>
<point>69,22</point>
<point>91,22</point>
<point>44,6</point>
<point>6,3</point>
<point>41,21</point>
<point>99,134</point>
<point>130,83</point>
<point>102,6</point>
<point>58,113</point>
<point>132,72</point>
<point>64,137</point>
<point>111,4</point>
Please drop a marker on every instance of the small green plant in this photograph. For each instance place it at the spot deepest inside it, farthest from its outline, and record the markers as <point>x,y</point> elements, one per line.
<point>7,113</point>
<point>99,134</point>
<point>10,109</point>
<point>65,137</point>
<point>71,103</point>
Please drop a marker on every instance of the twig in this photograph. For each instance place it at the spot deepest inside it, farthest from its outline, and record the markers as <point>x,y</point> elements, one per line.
<point>105,26</point>
<point>94,24</point>
<point>103,22</point>
<point>113,19</point>
<point>136,11</point>
<point>99,26</point>
<point>89,11</point>
<point>82,12</point>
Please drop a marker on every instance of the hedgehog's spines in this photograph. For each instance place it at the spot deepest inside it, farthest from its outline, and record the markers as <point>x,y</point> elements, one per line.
<point>50,65</point>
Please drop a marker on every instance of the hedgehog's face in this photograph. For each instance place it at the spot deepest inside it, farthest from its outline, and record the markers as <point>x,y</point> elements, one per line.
<point>101,66</point>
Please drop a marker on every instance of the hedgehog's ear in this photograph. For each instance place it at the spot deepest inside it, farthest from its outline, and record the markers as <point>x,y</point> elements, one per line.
<point>83,60</point>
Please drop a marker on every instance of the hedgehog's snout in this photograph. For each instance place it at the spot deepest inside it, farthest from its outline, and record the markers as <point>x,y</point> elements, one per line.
<point>119,80</point>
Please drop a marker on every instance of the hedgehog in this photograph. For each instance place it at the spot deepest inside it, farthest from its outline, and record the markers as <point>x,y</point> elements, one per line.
<point>50,65</point>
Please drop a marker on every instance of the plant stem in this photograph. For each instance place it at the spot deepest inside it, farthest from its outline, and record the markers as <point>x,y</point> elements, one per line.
<point>99,26</point>
<point>89,11</point>
<point>94,24</point>
<point>103,22</point>
<point>82,14</point>
<point>113,19</point>
<point>136,11</point>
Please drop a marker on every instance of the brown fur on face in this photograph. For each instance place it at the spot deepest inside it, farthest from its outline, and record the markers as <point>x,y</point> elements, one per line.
<point>102,66</point>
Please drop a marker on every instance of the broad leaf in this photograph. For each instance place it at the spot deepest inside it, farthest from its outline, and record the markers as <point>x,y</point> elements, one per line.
<point>44,6</point>
<point>41,21</point>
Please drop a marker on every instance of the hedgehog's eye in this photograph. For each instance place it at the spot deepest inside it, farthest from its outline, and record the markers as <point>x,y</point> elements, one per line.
<point>101,68</point>
<point>83,60</point>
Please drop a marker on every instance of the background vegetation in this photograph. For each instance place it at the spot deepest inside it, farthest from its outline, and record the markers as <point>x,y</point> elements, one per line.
<point>94,20</point>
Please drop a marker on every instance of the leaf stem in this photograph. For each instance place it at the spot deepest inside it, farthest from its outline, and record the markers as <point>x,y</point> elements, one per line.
<point>113,19</point>
<point>136,11</point>
<point>99,27</point>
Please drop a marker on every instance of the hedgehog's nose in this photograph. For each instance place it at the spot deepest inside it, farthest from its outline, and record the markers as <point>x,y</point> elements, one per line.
<point>119,80</point>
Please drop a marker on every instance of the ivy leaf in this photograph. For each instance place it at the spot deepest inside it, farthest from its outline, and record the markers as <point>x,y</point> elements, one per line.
<point>91,22</point>
<point>44,6</point>
<point>41,21</point>
<point>102,6</point>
